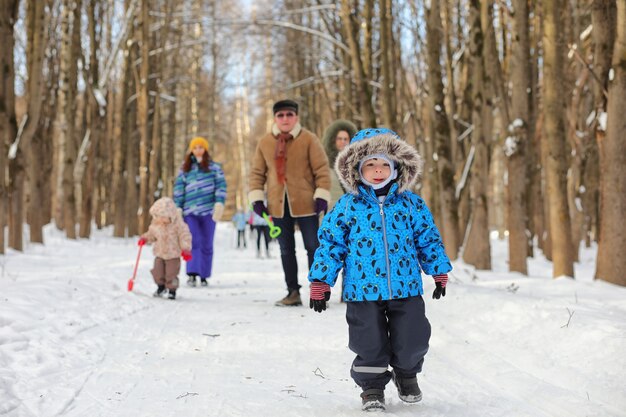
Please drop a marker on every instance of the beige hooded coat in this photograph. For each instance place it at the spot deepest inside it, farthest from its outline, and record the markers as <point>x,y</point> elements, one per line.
<point>169,239</point>
<point>307,176</point>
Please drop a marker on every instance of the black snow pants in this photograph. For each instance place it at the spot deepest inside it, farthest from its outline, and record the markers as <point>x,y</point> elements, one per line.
<point>387,333</point>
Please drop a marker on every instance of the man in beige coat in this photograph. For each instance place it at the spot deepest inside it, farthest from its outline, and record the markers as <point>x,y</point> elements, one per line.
<point>291,164</point>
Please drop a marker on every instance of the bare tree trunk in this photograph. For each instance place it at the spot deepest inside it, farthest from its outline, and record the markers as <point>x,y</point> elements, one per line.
<point>120,151</point>
<point>465,154</point>
<point>368,15</point>
<point>441,135</point>
<point>611,260</point>
<point>367,116</point>
<point>86,163</point>
<point>29,141</point>
<point>155,154</point>
<point>603,18</point>
<point>31,135</point>
<point>495,112</point>
<point>143,103</point>
<point>69,162</point>
<point>516,143</point>
<point>131,194</point>
<point>450,77</point>
<point>8,122</point>
<point>156,187</point>
<point>476,248</point>
<point>386,46</point>
<point>64,123</point>
<point>556,158</point>
<point>536,213</point>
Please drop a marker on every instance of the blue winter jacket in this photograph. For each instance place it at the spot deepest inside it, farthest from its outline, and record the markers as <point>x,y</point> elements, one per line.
<point>196,191</point>
<point>381,246</point>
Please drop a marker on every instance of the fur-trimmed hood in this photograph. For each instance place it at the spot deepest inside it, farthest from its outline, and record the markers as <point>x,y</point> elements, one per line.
<point>328,140</point>
<point>371,141</point>
<point>165,207</point>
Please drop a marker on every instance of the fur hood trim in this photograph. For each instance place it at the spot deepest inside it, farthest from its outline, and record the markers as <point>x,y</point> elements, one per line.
<point>328,140</point>
<point>294,132</point>
<point>366,142</point>
<point>165,207</point>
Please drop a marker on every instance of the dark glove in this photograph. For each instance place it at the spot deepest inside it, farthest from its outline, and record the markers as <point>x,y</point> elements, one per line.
<point>440,285</point>
<point>141,241</point>
<point>321,205</point>
<point>186,255</point>
<point>320,293</point>
<point>259,208</point>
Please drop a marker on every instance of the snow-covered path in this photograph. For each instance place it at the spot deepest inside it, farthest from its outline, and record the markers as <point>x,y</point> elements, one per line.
<point>74,343</point>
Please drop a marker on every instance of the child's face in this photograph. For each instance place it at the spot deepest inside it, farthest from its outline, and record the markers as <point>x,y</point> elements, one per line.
<point>375,170</point>
<point>342,140</point>
<point>162,220</point>
<point>198,151</point>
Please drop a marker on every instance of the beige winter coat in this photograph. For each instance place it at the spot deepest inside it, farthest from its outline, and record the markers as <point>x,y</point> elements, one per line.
<point>169,239</point>
<point>307,175</point>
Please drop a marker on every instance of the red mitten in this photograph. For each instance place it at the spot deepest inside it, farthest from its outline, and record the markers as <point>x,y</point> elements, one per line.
<point>142,241</point>
<point>186,255</point>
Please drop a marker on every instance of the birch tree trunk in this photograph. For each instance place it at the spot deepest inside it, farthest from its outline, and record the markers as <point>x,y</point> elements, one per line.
<point>516,142</point>
<point>476,248</point>
<point>8,122</point>
<point>611,264</point>
<point>440,134</point>
<point>143,103</point>
<point>554,125</point>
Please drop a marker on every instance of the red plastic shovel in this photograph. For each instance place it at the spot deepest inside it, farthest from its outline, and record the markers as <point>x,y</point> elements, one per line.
<point>131,281</point>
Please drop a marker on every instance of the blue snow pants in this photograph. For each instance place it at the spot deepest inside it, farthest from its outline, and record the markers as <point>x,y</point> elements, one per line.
<point>387,333</point>
<point>202,230</point>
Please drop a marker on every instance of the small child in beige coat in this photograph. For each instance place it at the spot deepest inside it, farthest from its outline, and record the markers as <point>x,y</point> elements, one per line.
<point>172,239</point>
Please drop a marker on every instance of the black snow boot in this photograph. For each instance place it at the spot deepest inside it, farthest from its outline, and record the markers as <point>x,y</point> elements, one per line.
<point>160,290</point>
<point>172,295</point>
<point>191,281</point>
<point>373,400</point>
<point>408,390</point>
<point>203,282</point>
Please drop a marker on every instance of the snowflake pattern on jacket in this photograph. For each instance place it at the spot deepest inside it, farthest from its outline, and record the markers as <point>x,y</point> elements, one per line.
<point>196,191</point>
<point>381,246</point>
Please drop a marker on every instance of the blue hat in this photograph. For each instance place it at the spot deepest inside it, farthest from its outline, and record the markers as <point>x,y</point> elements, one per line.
<point>369,132</point>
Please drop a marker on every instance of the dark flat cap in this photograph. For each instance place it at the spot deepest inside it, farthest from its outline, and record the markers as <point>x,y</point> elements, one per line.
<point>285,105</point>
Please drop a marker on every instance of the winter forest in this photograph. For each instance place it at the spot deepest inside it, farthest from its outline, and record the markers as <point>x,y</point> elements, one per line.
<point>516,105</point>
<point>517,108</point>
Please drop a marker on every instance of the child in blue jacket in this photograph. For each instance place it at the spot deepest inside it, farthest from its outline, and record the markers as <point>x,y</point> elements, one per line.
<point>383,236</point>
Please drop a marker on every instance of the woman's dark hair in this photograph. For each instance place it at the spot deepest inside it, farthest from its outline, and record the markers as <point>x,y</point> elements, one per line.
<point>204,164</point>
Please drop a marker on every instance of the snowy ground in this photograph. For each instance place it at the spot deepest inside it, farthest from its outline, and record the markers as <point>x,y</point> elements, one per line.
<point>74,342</point>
